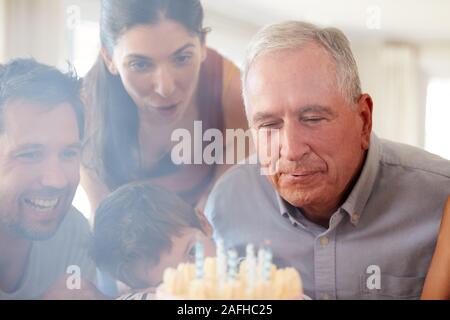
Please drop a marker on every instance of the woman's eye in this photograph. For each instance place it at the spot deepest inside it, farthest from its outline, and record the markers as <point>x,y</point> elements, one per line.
<point>183,59</point>
<point>139,65</point>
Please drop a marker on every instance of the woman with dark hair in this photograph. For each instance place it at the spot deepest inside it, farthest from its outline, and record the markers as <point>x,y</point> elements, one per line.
<point>154,74</point>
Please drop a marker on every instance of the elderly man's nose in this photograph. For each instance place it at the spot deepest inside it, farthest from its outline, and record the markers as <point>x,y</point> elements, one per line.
<point>293,145</point>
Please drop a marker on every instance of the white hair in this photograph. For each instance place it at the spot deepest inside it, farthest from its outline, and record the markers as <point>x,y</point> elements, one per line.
<point>297,34</point>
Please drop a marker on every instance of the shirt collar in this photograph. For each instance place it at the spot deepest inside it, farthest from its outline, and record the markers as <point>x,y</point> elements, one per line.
<point>285,209</point>
<point>357,199</point>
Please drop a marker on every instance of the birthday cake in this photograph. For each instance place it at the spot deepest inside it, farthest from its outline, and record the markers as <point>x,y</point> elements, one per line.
<point>225,278</point>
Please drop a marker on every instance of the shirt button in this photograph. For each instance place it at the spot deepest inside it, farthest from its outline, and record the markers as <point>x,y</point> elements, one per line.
<point>355,218</point>
<point>324,241</point>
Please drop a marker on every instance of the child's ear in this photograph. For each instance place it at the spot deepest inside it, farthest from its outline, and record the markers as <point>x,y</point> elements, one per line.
<point>204,223</point>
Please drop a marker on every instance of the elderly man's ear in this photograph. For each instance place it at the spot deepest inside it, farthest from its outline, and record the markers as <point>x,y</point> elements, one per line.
<point>365,108</point>
<point>204,223</point>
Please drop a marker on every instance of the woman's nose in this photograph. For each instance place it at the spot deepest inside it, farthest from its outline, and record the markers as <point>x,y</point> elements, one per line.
<point>164,82</point>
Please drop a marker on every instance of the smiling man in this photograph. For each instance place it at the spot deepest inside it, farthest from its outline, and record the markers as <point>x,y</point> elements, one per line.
<point>358,216</point>
<point>42,237</point>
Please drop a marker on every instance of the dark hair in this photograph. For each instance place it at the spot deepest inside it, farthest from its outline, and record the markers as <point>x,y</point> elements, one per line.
<point>32,81</point>
<point>112,147</point>
<point>135,223</point>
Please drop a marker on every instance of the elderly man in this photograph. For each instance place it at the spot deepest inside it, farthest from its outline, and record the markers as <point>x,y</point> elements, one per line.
<point>43,239</point>
<point>358,216</point>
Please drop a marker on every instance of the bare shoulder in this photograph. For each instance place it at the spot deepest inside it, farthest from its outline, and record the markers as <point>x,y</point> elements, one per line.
<point>445,225</point>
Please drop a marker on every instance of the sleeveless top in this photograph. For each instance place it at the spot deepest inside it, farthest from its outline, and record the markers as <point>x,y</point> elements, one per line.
<point>209,97</point>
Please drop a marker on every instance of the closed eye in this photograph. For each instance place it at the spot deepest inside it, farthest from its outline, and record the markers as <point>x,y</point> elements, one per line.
<point>30,156</point>
<point>313,120</point>
<point>269,125</point>
<point>70,154</point>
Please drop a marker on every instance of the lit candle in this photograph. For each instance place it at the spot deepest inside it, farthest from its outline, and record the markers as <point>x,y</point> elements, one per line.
<point>199,259</point>
<point>267,269</point>
<point>261,255</point>
<point>251,266</point>
<point>232,264</point>
<point>221,261</point>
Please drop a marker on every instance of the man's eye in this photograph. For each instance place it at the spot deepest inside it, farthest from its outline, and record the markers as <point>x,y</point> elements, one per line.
<point>70,154</point>
<point>30,156</point>
<point>313,119</point>
<point>183,59</point>
<point>269,125</point>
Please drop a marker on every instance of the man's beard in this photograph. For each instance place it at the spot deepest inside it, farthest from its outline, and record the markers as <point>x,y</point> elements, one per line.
<point>18,225</point>
<point>31,233</point>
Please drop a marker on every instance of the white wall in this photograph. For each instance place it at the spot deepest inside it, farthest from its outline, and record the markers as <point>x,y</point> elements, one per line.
<point>34,29</point>
<point>390,73</point>
<point>2,31</point>
<point>230,37</point>
<point>435,59</point>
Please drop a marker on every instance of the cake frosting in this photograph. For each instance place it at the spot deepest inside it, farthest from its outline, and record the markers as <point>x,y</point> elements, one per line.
<point>223,278</point>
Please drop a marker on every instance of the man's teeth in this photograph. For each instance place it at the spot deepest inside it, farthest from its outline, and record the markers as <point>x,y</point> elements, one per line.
<point>42,204</point>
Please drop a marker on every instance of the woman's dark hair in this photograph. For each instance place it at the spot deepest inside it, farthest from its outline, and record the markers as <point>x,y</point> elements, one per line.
<point>112,148</point>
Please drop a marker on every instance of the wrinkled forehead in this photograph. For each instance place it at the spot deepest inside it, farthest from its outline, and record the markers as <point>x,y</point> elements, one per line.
<point>304,75</point>
<point>307,63</point>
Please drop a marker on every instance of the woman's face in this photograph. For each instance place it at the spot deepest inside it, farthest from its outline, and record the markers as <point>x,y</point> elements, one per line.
<point>159,66</point>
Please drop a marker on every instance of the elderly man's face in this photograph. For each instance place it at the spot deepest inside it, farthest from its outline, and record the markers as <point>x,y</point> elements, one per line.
<point>322,138</point>
<point>39,167</point>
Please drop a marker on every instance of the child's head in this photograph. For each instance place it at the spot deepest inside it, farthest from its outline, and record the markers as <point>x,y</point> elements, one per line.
<point>141,229</point>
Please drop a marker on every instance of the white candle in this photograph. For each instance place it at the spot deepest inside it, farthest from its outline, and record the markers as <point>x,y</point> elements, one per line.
<point>199,260</point>
<point>261,255</point>
<point>251,266</point>
<point>232,264</point>
<point>221,261</point>
<point>267,265</point>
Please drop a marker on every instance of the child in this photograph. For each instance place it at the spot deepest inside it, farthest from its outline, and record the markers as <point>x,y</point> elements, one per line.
<point>142,229</point>
<point>437,283</point>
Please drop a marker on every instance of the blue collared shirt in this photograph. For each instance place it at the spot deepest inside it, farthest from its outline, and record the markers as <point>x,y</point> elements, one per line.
<point>379,242</point>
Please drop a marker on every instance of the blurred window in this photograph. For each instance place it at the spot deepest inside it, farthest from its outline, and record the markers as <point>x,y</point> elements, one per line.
<point>437,122</point>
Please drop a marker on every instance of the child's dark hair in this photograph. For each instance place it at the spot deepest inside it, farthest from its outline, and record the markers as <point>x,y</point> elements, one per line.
<point>136,223</point>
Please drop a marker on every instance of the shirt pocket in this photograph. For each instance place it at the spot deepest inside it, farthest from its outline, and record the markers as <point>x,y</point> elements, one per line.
<point>393,287</point>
